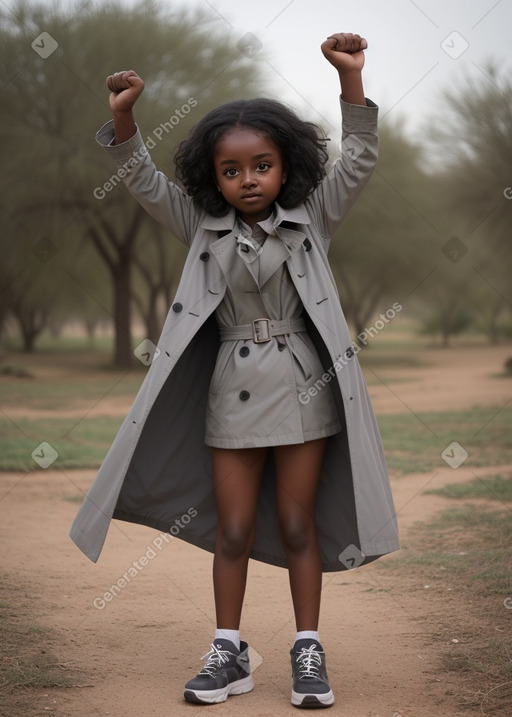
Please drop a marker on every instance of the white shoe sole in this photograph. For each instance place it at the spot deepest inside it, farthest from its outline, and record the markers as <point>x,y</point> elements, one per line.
<point>325,699</point>
<point>211,697</point>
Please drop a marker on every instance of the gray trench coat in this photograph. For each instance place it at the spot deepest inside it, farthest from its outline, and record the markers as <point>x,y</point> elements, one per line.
<point>158,469</point>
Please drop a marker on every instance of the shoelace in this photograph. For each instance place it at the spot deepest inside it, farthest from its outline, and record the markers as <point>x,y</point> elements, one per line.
<point>215,658</point>
<point>309,661</point>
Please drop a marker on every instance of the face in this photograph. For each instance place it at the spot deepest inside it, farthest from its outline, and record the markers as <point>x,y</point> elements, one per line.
<point>249,172</point>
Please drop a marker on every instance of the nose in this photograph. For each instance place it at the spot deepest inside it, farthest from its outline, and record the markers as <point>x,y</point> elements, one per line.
<point>248,179</point>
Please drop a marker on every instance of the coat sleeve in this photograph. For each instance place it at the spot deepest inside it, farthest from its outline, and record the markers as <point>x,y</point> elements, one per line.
<point>337,192</point>
<point>160,197</point>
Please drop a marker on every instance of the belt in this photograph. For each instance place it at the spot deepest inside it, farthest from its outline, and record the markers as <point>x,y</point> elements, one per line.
<point>262,330</point>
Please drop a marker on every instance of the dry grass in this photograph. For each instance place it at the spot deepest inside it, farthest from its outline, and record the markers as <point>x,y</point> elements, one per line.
<point>464,560</point>
<point>28,664</point>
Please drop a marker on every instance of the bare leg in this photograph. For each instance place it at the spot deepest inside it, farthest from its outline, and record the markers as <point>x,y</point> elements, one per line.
<point>298,469</point>
<point>237,477</point>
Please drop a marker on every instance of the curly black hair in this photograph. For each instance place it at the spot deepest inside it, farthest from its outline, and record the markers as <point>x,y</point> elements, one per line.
<point>302,146</point>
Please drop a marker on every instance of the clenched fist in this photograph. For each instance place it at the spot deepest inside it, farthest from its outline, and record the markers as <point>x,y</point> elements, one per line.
<point>125,88</point>
<point>345,51</point>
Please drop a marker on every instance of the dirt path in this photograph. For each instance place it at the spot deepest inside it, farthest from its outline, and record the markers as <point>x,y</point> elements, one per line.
<point>133,654</point>
<point>451,380</point>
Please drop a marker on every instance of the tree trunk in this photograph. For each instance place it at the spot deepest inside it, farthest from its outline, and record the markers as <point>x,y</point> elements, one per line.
<point>121,276</point>
<point>31,312</point>
<point>90,325</point>
<point>358,324</point>
<point>29,337</point>
<point>492,328</point>
<point>30,328</point>
<point>118,256</point>
<point>152,327</point>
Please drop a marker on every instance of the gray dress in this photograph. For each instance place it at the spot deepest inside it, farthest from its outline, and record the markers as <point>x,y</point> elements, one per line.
<point>268,410</point>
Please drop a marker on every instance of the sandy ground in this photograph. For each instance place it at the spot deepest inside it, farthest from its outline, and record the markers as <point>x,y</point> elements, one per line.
<point>133,655</point>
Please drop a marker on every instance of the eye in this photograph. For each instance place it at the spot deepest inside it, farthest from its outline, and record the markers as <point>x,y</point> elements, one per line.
<point>231,172</point>
<point>263,166</point>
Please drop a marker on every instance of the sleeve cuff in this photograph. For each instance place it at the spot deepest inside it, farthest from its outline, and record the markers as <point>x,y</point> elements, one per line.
<point>133,147</point>
<point>357,118</point>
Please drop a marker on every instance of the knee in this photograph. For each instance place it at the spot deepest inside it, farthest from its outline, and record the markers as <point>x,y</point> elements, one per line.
<point>235,540</point>
<point>298,533</point>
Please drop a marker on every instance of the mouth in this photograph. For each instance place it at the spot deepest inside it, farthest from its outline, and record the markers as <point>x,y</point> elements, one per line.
<point>251,195</point>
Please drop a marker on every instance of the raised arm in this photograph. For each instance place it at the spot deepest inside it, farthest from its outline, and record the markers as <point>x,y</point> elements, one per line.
<point>125,89</point>
<point>334,196</point>
<point>161,198</point>
<point>345,52</point>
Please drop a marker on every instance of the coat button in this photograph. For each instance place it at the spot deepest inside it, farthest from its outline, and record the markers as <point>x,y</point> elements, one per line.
<point>306,244</point>
<point>244,395</point>
<point>177,307</point>
<point>204,256</point>
<point>244,351</point>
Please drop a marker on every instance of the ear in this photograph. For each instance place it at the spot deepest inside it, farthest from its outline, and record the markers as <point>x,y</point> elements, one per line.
<point>284,177</point>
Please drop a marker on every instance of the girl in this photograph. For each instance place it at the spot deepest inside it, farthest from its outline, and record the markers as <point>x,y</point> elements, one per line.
<point>253,434</point>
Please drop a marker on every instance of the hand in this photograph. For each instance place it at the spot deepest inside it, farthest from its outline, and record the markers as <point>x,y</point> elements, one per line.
<point>345,51</point>
<point>125,88</point>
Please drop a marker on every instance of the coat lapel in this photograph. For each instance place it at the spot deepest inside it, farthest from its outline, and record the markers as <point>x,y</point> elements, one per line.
<point>277,249</point>
<point>289,225</point>
<point>273,255</point>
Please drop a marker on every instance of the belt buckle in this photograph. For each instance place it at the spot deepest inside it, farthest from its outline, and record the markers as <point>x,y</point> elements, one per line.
<point>261,331</point>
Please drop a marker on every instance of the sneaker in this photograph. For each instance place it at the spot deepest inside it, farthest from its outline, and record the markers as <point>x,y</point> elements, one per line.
<point>309,674</point>
<point>226,672</point>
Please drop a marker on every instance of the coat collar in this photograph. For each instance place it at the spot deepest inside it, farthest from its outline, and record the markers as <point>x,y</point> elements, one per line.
<point>278,247</point>
<point>297,215</point>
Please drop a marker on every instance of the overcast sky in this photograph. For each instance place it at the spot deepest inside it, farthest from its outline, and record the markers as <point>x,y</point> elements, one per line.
<point>416,48</point>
